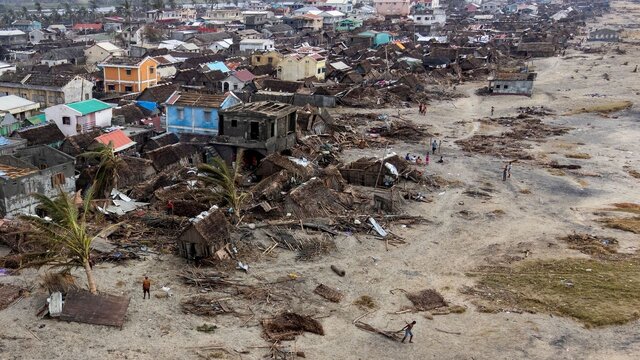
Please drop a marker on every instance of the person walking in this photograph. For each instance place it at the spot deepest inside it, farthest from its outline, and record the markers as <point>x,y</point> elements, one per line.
<point>146,287</point>
<point>509,170</point>
<point>492,108</point>
<point>434,146</point>
<point>408,331</point>
<point>426,159</point>
<point>170,207</point>
<point>504,173</point>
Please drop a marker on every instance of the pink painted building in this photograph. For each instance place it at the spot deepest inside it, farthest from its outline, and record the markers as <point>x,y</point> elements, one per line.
<point>392,7</point>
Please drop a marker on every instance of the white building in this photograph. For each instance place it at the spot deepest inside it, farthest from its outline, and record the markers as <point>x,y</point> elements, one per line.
<point>4,67</point>
<point>100,51</point>
<point>251,45</point>
<point>432,18</point>
<point>80,117</point>
<point>345,6</point>
<point>221,45</point>
<point>19,108</point>
<point>331,17</point>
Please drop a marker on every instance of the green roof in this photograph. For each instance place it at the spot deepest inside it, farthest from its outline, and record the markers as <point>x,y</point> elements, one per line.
<point>37,119</point>
<point>88,106</point>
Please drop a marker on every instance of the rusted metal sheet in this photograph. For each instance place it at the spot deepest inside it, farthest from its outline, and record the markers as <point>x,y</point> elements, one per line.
<point>82,306</point>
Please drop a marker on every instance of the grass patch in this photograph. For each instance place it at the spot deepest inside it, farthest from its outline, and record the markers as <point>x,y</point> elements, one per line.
<point>594,292</point>
<point>578,156</point>
<point>556,172</point>
<point>605,108</point>
<point>365,302</point>
<point>627,224</point>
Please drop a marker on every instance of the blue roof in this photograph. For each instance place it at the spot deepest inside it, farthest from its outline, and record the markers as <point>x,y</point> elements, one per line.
<point>218,65</point>
<point>149,105</point>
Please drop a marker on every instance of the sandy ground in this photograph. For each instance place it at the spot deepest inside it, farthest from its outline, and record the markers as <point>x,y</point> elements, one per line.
<point>435,256</point>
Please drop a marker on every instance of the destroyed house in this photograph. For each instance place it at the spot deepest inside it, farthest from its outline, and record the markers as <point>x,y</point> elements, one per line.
<point>37,169</point>
<point>536,49</point>
<point>46,134</point>
<point>47,89</point>
<point>374,172</point>
<point>607,35</point>
<point>174,156</point>
<point>264,127</point>
<point>512,83</point>
<point>207,234</point>
<point>196,112</point>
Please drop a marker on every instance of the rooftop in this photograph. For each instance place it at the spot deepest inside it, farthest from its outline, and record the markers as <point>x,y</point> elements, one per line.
<point>107,46</point>
<point>124,61</point>
<point>264,108</point>
<point>197,99</point>
<point>10,102</point>
<point>89,106</point>
<point>244,75</point>
<point>14,172</point>
<point>118,140</point>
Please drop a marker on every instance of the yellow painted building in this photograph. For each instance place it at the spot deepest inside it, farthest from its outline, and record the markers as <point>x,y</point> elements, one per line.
<point>266,58</point>
<point>126,75</point>
<point>298,66</point>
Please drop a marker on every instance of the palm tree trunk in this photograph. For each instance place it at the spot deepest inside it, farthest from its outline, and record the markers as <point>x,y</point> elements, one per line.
<point>90,280</point>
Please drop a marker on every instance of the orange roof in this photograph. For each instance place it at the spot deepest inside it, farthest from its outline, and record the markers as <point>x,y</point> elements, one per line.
<point>118,139</point>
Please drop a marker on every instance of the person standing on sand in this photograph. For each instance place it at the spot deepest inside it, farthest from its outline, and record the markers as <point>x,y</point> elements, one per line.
<point>426,159</point>
<point>407,331</point>
<point>509,169</point>
<point>434,146</point>
<point>504,173</point>
<point>492,108</point>
<point>146,287</point>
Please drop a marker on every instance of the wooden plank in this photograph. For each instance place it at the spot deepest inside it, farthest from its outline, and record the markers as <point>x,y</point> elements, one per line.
<point>84,307</point>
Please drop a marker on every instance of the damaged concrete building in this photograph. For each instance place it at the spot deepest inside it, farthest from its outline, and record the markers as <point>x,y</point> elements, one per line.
<point>512,83</point>
<point>38,169</point>
<point>260,128</point>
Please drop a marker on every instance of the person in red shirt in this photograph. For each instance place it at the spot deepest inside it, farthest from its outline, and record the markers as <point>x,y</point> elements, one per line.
<point>146,287</point>
<point>407,331</point>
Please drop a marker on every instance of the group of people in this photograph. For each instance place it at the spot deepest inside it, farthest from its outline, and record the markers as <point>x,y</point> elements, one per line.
<point>422,108</point>
<point>506,172</point>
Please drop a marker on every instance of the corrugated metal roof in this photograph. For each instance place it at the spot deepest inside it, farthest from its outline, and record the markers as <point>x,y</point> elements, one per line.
<point>118,140</point>
<point>89,106</point>
<point>9,102</point>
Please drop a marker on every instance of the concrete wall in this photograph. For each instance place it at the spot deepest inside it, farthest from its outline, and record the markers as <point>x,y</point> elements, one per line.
<point>512,87</point>
<point>77,90</point>
<point>251,46</point>
<point>194,120</point>
<point>86,123</point>
<point>15,194</point>
<point>186,119</point>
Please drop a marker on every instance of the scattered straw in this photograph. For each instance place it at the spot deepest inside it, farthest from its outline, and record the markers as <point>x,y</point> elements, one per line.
<point>365,302</point>
<point>578,156</point>
<point>605,108</point>
<point>428,299</point>
<point>631,224</point>
<point>592,245</point>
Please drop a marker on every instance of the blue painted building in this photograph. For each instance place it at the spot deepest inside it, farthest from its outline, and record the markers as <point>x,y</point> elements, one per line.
<point>376,38</point>
<point>196,113</point>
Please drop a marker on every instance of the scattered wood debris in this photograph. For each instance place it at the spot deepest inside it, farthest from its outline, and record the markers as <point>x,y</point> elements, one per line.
<point>205,305</point>
<point>329,293</point>
<point>287,326</point>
